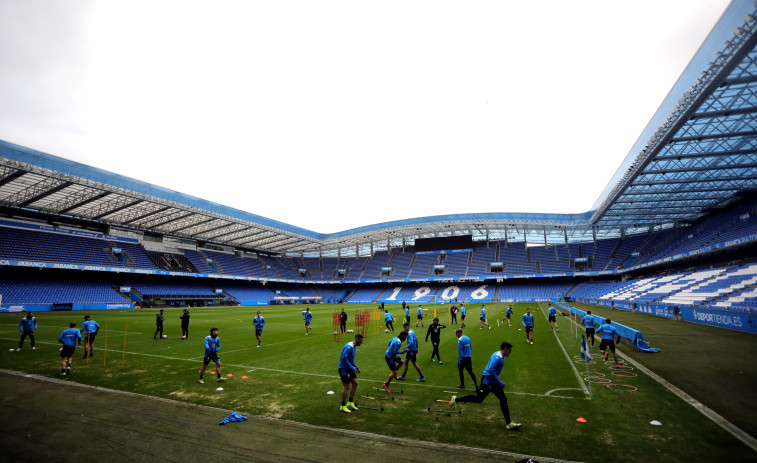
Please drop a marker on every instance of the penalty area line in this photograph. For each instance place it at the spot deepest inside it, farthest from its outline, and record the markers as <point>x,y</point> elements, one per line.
<point>567,357</point>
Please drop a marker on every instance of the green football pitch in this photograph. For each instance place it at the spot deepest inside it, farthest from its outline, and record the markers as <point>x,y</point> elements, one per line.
<point>291,375</point>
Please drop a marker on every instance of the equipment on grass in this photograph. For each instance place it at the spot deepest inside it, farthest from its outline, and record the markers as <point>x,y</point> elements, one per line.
<point>337,325</point>
<point>449,412</point>
<point>385,331</point>
<point>384,390</point>
<point>378,398</point>
<point>363,407</point>
<point>165,336</point>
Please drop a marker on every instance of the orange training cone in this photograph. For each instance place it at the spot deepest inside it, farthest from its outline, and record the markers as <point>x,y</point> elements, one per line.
<point>581,420</point>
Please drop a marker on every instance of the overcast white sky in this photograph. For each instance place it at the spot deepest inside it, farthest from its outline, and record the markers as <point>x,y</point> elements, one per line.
<point>330,115</point>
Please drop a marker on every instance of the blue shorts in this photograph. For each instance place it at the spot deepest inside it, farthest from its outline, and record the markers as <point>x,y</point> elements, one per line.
<point>393,363</point>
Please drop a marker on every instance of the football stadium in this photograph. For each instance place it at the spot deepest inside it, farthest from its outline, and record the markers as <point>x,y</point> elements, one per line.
<point>116,282</point>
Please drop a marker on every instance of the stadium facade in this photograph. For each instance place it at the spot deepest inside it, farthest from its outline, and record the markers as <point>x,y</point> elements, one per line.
<point>674,230</point>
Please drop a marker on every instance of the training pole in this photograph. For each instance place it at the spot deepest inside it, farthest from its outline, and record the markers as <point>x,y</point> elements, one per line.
<point>123,355</point>
<point>105,347</point>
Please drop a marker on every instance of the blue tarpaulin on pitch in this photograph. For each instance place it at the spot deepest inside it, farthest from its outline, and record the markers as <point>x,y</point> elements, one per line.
<point>233,417</point>
<point>631,334</point>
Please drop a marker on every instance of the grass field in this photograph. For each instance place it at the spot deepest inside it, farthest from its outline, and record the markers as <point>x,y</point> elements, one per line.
<point>290,375</point>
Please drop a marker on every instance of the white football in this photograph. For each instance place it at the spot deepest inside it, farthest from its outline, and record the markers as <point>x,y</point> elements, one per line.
<point>183,337</point>
<point>14,349</point>
<point>386,331</point>
<point>165,336</point>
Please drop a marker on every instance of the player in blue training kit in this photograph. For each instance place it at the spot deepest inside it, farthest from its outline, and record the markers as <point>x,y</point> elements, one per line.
<point>490,382</point>
<point>27,326</point>
<point>508,314</point>
<point>392,357</point>
<point>69,338</point>
<point>90,329</point>
<point>590,324</point>
<point>462,316</point>
<point>553,318</point>
<point>212,346</point>
<point>259,323</point>
<point>464,359</point>
<point>420,316</point>
<point>482,318</point>
<point>308,316</point>
<point>348,371</point>
<point>609,333</point>
<point>407,314</point>
<point>528,322</point>
<point>412,353</point>
<point>388,320</point>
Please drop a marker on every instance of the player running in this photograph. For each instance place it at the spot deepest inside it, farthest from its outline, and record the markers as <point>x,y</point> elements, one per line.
<point>508,314</point>
<point>392,357</point>
<point>212,346</point>
<point>412,353</point>
<point>528,322</point>
<point>388,321</point>
<point>462,316</point>
<point>552,322</point>
<point>348,371</point>
<point>464,359</point>
<point>435,330</point>
<point>490,382</point>
<point>259,322</point>
<point>27,326</point>
<point>90,329</point>
<point>308,316</point>
<point>609,333</point>
<point>420,316</point>
<point>590,324</point>
<point>482,318</point>
<point>68,338</point>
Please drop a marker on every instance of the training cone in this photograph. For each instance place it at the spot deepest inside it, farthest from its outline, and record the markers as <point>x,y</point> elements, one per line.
<point>655,423</point>
<point>244,377</point>
<point>229,375</point>
<point>581,419</point>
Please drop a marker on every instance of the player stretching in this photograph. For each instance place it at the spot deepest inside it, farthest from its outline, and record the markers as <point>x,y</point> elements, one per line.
<point>27,326</point>
<point>388,321</point>
<point>412,353</point>
<point>259,323</point>
<point>212,346</point>
<point>462,316</point>
<point>552,322</point>
<point>348,373</point>
<point>420,316</point>
<point>609,333</point>
<point>464,359</point>
<point>508,314</point>
<point>435,330</point>
<point>528,322</point>
<point>68,338</point>
<point>90,329</point>
<point>392,357</point>
<point>482,318</point>
<point>308,316</point>
<point>490,382</point>
<point>590,324</point>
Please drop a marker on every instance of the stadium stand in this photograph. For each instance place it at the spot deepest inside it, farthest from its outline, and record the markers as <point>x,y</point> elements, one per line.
<point>30,292</point>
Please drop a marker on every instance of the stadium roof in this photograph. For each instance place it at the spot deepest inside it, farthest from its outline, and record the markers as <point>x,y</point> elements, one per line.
<point>698,152</point>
